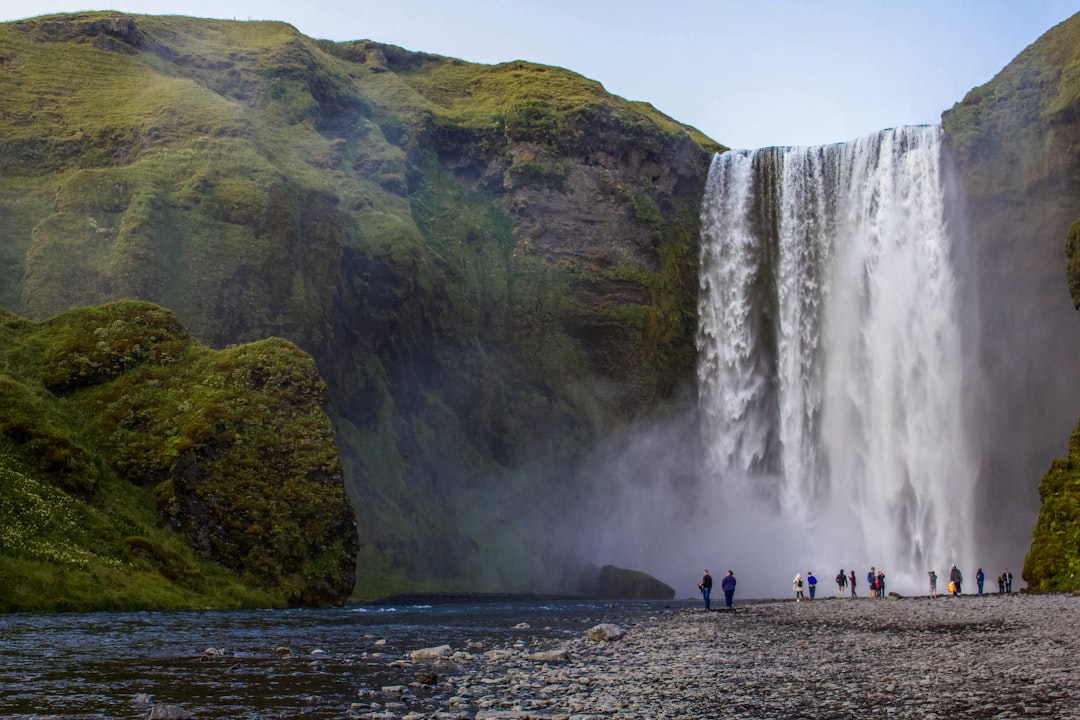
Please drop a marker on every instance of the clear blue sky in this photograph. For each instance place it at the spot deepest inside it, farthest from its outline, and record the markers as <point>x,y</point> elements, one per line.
<point>748,74</point>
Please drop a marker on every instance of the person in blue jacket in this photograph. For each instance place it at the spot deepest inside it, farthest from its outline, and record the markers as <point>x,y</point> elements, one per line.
<point>812,582</point>
<point>980,578</point>
<point>728,586</point>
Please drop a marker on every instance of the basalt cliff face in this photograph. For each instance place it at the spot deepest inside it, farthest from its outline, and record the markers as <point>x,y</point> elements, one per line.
<point>490,265</point>
<point>1016,144</point>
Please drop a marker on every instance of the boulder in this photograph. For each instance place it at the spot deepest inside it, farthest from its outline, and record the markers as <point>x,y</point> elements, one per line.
<point>605,632</point>
<point>431,653</point>
<point>615,583</point>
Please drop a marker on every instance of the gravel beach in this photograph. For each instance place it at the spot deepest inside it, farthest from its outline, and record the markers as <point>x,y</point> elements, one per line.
<point>994,656</point>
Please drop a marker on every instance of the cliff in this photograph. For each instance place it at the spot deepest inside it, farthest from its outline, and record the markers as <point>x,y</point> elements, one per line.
<point>490,265</point>
<point>142,469</point>
<point>1016,144</point>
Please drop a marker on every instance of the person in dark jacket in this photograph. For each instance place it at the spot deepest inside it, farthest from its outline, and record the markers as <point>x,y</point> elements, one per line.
<point>728,586</point>
<point>980,578</point>
<point>705,586</point>
<point>956,578</point>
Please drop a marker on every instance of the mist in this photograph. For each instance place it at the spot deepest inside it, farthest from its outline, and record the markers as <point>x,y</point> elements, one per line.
<point>832,426</point>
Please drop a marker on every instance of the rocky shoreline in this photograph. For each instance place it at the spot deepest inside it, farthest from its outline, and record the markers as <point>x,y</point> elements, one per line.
<point>994,656</point>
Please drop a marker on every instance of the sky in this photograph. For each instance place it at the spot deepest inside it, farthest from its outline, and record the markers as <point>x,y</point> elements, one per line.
<point>749,73</point>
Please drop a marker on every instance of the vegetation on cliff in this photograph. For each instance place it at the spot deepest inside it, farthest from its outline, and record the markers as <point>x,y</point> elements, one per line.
<point>1054,560</point>
<point>1016,144</point>
<point>142,469</point>
<point>489,264</point>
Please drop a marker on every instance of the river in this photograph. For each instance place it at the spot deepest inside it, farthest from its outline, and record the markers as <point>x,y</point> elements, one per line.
<point>234,664</point>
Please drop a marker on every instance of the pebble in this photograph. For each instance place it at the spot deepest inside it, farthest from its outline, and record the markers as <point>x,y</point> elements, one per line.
<point>995,656</point>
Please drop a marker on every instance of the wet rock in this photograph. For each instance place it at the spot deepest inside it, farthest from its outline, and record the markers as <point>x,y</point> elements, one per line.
<point>168,712</point>
<point>605,632</point>
<point>431,653</point>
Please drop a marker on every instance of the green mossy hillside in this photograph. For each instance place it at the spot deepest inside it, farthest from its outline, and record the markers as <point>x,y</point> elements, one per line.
<point>491,265</point>
<point>1053,564</point>
<point>142,469</point>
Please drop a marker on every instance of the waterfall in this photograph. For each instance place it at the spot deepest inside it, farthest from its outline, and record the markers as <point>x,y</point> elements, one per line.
<point>830,368</point>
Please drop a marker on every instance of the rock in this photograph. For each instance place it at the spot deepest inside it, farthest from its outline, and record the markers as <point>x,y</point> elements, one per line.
<point>431,653</point>
<point>168,712</point>
<point>605,632</point>
<point>620,583</point>
<point>559,655</point>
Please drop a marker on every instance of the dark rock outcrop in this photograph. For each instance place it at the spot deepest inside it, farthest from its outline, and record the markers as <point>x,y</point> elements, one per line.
<point>615,583</point>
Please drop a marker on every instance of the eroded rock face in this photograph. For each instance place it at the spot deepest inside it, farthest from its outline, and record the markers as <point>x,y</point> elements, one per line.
<point>1014,142</point>
<point>492,266</point>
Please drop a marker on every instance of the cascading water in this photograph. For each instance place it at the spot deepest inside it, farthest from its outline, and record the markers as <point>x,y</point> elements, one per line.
<point>830,365</point>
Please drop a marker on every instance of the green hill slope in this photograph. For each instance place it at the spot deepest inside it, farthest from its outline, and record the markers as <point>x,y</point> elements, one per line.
<point>144,470</point>
<point>490,265</point>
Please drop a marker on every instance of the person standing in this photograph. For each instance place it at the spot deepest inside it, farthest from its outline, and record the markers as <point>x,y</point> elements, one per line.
<point>881,583</point>
<point>956,578</point>
<point>852,578</point>
<point>871,583</point>
<point>980,577</point>
<point>1007,577</point>
<point>933,584</point>
<point>841,583</point>
<point>728,586</point>
<point>796,585</point>
<point>705,586</point>
<point>1001,585</point>
<point>811,582</point>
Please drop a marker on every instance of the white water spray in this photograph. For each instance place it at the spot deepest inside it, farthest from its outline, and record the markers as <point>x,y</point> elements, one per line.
<point>830,366</point>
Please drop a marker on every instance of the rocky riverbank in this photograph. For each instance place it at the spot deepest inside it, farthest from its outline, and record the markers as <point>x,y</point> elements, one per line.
<point>996,656</point>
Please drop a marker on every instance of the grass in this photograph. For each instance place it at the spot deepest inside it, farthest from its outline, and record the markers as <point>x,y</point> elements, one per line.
<point>361,201</point>
<point>118,428</point>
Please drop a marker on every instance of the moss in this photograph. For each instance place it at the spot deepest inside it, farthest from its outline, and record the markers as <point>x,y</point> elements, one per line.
<point>1053,563</point>
<point>368,204</point>
<point>1072,262</point>
<point>102,404</point>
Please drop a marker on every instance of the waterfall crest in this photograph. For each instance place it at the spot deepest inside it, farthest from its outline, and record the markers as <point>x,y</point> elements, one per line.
<point>829,350</point>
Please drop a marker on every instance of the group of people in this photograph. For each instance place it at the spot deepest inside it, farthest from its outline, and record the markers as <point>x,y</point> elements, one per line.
<point>875,581</point>
<point>727,585</point>
<point>956,581</point>
<point>811,584</point>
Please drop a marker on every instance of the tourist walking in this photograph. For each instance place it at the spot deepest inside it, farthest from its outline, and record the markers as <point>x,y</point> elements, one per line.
<point>933,584</point>
<point>705,586</point>
<point>852,578</point>
<point>980,576</point>
<point>841,584</point>
<point>728,586</point>
<point>796,585</point>
<point>956,579</point>
<point>811,582</point>
<point>1007,577</point>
